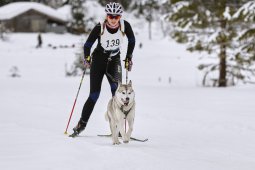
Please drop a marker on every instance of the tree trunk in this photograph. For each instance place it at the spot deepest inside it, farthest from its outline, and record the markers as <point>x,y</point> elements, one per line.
<point>222,56</point>
<point>150,21</point>
<point>223,68</point>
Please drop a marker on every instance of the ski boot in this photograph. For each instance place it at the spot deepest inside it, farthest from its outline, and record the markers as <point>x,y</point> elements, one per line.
<point>79,128</point>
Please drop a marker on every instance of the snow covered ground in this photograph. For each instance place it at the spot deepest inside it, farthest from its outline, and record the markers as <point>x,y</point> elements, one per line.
<point>189,127</point>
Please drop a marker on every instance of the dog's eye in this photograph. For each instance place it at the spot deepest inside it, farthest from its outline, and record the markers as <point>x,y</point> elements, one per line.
<point>123,92</point>
<point>129,93</point>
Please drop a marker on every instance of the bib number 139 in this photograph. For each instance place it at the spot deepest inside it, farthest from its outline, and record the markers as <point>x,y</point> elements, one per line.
<point>112,43</point>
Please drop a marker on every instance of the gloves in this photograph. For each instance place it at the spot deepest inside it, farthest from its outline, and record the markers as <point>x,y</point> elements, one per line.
<point>128,63</point>
<point>87,61</point>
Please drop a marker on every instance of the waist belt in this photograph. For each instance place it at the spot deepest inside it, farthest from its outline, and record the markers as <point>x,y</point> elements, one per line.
<point>108,52</point>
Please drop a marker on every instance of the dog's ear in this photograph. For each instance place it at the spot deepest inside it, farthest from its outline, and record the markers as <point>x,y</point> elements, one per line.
<point>130,83</point>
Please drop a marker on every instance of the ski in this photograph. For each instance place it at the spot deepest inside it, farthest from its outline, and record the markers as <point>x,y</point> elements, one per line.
<point>139,140</point>
<point>132,138</point>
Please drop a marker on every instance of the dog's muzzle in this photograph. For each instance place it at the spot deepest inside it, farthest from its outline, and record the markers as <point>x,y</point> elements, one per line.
<point>126,102</point>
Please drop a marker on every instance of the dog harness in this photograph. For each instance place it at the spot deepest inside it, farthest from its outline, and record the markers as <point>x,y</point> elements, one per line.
<point>122,109</point>
<point>125,112</point>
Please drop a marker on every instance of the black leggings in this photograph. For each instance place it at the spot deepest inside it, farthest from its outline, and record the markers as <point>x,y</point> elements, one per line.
<point>101,65</point>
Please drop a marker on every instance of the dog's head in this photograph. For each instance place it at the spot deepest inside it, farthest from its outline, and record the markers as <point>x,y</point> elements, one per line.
<point>125,93</point>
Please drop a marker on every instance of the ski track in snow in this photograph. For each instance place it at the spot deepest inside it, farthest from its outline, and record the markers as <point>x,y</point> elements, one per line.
<point>188,126</point>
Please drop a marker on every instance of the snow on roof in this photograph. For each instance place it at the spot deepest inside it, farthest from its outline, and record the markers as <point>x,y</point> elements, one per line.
<point>12,10</point>
<point>65,11</point>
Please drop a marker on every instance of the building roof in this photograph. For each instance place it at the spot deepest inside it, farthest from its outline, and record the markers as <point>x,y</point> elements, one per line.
<point>12,10</point>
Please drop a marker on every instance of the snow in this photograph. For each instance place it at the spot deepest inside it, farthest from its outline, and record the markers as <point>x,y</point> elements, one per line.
<point>246,10</point>
<point>89,12</point>
<point>12,10</point>
<point>189,127</point>
<point>214,36</point>
<point>227,14</point>
<point>98,14</point>
<point>65,11</point>
<point>180,5</point>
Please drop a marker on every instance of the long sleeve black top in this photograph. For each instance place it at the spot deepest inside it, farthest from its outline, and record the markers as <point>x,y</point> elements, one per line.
<point>95,35</point>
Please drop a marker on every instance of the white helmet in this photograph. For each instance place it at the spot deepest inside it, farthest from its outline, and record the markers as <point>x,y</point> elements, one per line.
<point>113,9</point>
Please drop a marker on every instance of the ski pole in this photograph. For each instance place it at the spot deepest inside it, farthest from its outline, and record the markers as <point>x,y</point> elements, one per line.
<point>126,76</point>
<point>75,101</point>
<point>126,84</point>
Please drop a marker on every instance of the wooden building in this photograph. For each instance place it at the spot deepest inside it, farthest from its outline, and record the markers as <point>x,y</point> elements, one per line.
<point>31,17</point>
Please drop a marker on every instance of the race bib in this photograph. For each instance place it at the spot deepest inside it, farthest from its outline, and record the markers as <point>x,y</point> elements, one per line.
<point>111,41</point>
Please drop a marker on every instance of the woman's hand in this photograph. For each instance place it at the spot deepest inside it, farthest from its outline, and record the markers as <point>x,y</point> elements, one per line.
<point>87,61</point>
<point>128,63</point>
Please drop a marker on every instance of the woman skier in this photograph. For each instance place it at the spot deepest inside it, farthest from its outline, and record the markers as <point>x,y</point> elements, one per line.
<point>105,59</point>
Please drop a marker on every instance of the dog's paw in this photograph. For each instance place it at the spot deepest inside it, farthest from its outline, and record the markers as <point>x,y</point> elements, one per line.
<point>116,143</point>
<point>125,138</point>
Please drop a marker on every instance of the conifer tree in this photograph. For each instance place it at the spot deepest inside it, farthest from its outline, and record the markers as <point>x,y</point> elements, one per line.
<point>124,3</point>
<point>212,26</point>
<point>150,7</point>
<point>77,10</point>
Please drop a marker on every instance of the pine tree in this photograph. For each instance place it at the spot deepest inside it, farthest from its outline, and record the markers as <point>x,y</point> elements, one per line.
<point>77,67</point>
<point>103,2</point>
<point>4,2</point>
<point>124,3</point>
<point>52,3</point>
<point>210,26</point>
<point>140,8</point>
<point>246,56</point>
<point>77,10</point>
<point>149,9</point>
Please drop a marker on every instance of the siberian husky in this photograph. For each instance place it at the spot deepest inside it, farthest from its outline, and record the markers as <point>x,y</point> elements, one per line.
<point>121,107</point>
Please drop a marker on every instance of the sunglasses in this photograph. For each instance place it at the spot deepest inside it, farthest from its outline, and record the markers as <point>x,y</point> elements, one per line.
<point>113,16</point>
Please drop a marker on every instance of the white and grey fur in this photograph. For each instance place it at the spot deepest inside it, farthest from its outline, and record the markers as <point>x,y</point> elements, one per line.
<point>123,101</point>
